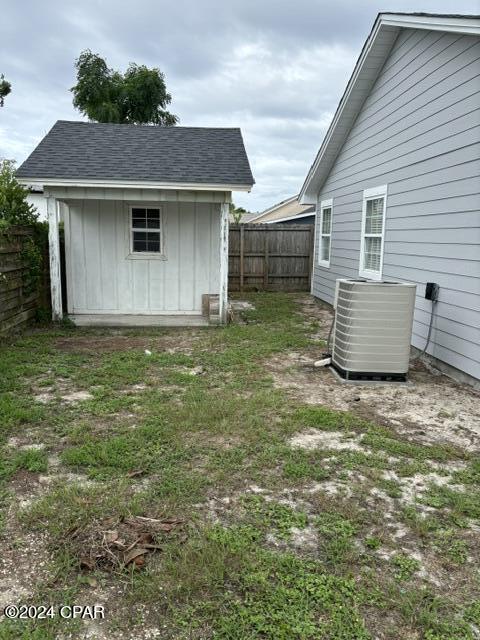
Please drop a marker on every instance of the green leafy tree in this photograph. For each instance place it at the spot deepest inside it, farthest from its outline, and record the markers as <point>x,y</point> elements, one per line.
<point>139,96</point>
<point>14,208</point>
<point>237,213</point>
<point>5,88</point>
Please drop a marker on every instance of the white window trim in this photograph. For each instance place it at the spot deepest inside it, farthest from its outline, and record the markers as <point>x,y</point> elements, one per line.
<point>146,255</point>
<point>325,204</point>
<point>371,194</point>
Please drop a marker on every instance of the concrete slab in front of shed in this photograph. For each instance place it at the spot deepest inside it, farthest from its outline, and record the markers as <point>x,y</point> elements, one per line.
<point>127,320</point>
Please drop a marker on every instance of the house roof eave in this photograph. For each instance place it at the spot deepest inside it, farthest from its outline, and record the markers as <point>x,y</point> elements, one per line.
<point>375,51</point>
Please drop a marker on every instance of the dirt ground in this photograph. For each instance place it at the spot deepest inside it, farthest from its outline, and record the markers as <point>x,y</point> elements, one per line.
<point>429,408</point>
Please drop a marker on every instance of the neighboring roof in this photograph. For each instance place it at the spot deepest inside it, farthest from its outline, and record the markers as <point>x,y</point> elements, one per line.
<point>246,217</point>
<point>275,206</point>
<point>287,207</point>
<point>88,151</point>
<point>371,60</point>
<point>307,214</point>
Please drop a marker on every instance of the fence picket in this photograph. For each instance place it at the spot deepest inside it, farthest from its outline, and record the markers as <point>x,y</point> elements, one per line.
<point>270,257</point>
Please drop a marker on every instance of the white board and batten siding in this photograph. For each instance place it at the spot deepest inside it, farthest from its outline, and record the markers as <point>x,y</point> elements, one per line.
<point>418,132</point>
<point>104,277</point>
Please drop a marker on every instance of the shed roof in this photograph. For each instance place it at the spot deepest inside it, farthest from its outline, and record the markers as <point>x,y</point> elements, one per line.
<point>86,151</point>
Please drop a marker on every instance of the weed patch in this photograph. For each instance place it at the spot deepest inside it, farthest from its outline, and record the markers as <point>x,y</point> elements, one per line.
<point>337,534</point>
<point>273,517</point>
<point>462,504</point>
<point>405,566</point>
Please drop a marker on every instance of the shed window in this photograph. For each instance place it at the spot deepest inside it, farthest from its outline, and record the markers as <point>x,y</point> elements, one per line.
<point>373,232</point>
<point>146,230</point>
<point>325,233</point>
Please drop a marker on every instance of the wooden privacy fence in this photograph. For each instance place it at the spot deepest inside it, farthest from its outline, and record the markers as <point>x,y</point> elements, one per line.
<point>17,304</point>
<point>270,257</point>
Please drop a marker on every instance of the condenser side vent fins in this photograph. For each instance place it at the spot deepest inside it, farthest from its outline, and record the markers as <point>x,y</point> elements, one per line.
<point>373,329</point>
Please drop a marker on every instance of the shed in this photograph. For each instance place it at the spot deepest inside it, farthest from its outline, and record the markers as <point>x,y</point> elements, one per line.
<point>145,210</point>
<point>396,181</point>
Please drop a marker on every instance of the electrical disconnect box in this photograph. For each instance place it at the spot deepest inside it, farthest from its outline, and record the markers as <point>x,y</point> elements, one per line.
<point>431,291</point>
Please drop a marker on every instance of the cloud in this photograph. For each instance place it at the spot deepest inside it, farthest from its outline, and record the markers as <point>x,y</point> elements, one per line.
<point>276,69</point>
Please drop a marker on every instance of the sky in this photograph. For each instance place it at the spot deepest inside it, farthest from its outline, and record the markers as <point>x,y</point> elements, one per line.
<point>276,69</point>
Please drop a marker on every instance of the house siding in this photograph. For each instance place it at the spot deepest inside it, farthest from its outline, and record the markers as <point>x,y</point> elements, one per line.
<point>419,133</point>
<point>102,278</point>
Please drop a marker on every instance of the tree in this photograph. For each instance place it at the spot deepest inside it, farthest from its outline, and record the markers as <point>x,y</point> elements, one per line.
<point>139,96</point>
<point>14,208</point>
<point>5,88</point>
<point>237,213</point>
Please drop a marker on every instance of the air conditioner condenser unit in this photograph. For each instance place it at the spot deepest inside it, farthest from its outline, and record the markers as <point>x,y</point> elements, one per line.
<point>373,329</point>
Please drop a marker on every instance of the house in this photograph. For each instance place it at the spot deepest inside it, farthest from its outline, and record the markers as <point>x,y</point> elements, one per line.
<point>287,211</point>
<point>307,218</point>
<point>396,180</point>
<point>145,210</point>
<point>245,219</point>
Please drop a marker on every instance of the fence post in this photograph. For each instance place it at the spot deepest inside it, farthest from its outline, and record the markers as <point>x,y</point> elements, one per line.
<point>242,245</point>
<point>312,257</point>
<point>266,266</point>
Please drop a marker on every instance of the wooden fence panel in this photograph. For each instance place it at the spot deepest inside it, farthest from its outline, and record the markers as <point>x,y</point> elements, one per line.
<point>17,306</point>
<point>270,257</point>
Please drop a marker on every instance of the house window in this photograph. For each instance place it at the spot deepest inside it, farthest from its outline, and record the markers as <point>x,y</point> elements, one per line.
<point>325,239</point>
<point>373,232</point>
<point>146,230</point>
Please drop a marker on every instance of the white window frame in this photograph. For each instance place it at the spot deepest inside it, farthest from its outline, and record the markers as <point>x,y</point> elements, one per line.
<point>372,194</point>
<point>149,255</point>
<point>325,204</point>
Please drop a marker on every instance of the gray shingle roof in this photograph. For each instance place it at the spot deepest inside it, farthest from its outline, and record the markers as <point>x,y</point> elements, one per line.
<point>88,150</point>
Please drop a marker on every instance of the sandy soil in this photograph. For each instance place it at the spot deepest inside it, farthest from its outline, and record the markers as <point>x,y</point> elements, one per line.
<point>180,342</point>
<point>430,408</point>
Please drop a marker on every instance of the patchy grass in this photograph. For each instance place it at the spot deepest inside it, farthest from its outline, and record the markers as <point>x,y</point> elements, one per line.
<point>273,517</point>
<point>32,460</point>
<point>405,566</point>
<point>460,504</point>
<point>350,539</point>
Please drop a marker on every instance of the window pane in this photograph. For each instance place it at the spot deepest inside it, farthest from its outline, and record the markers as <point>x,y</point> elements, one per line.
<point>146,241</point>
<point>374,217</point>
<point>325,248</point>
<point>326,220</point>
<point>139,218</point>
<point>139,241</point>
<point>153,218</point>
<point>373,249</point>
<point>146,218</point>
<point>153,241</point>
<point>140,235</point>
<point>153,224</point>
<point>153,245</point>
